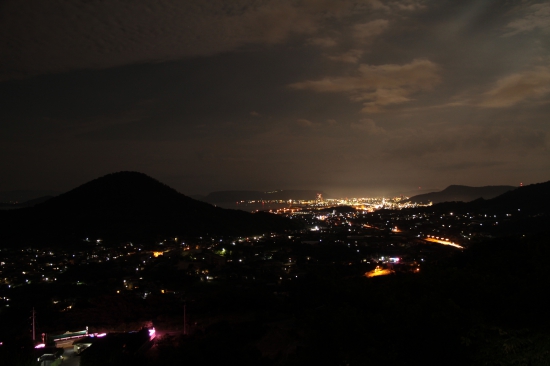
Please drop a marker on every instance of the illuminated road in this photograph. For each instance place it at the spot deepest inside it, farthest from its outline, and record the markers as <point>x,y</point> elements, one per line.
<point>378,272</point>
<point>444,242</point>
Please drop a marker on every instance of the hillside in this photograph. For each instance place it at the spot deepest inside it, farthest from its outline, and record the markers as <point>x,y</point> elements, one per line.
<point>127,206</point>
<point>461,193</point>
<point>530,200</point>
<point>533,198</point>
<point>522,210</point>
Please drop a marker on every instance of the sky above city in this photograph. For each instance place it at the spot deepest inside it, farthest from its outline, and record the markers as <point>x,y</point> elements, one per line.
<point>352,97</point>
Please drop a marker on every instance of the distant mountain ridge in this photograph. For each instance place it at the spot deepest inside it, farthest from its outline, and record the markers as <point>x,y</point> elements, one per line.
<point>461,193</point>
<point>128,206</point>
<point>29,203</point>
<point>235,196</point>
<point>25,195</point>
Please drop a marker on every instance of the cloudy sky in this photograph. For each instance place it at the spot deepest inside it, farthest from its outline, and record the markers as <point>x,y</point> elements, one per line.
<point>354,97</point>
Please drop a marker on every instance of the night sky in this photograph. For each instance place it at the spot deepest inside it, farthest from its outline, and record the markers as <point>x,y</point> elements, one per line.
<point>351,97</point>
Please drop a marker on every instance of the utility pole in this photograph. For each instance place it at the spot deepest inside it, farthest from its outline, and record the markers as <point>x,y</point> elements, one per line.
<point>33,325</point>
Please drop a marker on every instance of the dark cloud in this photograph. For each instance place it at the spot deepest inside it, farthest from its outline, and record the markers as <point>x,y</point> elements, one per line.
<point>55,36</point>
<point>533,85</point>
<point>369,126</point>
<point>351,96</point>
<point>467,139</point>
<point>58,35</point>
<point>536,17</point>
<point>304,122</point>
<point>378,86</point>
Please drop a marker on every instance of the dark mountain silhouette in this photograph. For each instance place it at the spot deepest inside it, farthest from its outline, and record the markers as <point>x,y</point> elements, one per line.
<point>461,193</point>
<point>530,199</point>
<point>128,206</point>
<point>412,193</point>
<point>235,196</point>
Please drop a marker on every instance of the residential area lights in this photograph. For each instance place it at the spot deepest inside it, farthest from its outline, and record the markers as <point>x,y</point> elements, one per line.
<point>396,240</point>
<point>367,204</point>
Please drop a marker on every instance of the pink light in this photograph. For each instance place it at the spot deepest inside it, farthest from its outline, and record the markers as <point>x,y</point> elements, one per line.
<point>41,345</point>
<point>152,332</point>
<point>101,335</point>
